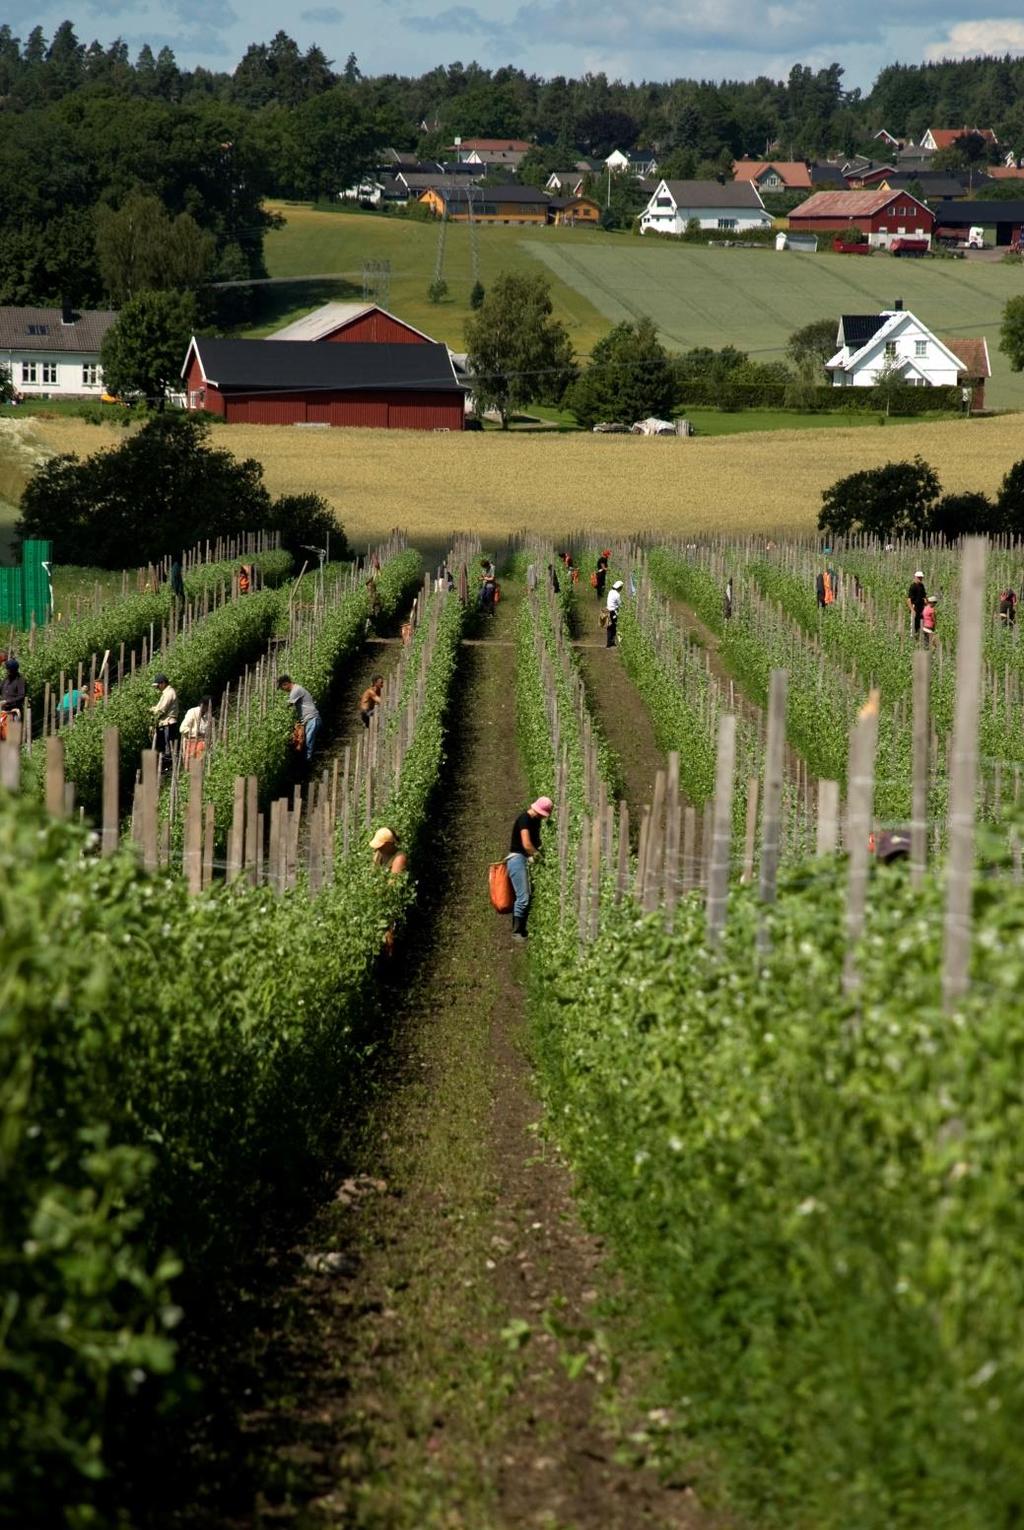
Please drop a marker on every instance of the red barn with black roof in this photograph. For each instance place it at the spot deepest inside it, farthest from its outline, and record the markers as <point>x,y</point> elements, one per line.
<point>389,386</point>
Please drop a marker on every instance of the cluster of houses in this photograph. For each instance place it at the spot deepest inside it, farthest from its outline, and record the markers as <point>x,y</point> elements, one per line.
<point>357,364</point>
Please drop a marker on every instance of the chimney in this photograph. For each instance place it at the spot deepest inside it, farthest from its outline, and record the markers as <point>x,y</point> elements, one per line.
<point>898,306</point>
<point>67,313</point>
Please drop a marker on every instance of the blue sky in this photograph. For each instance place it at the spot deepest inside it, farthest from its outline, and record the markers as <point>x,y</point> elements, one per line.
<point>658,39</point>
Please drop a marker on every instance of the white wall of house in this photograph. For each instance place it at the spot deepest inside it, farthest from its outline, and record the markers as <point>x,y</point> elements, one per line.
<point>662,216</point>
<point>55,372</point>
<point>906,343</point>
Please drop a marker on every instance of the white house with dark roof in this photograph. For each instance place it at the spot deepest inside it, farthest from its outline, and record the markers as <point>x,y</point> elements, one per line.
<point>639,162</point>
<point>876,344</point>
<point>54,352</point>
<point>733,207</point>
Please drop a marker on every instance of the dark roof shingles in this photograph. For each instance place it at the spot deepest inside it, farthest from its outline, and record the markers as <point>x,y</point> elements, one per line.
<point>85,334</point>
<point>309,365</point>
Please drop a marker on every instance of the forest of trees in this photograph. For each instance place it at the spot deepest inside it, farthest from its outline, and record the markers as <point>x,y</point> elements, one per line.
<point>88,129</point>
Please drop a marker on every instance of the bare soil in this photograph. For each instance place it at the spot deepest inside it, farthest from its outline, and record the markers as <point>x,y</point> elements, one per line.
<point>437,1355</point>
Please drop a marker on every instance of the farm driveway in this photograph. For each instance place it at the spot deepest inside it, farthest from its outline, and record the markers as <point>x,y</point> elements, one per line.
<point>440,1368</point>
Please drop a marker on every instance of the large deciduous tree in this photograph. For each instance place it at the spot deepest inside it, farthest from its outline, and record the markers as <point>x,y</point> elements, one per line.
<point>1011,333</point>
<point>812,345</point>
<point>894,500</point>
<point>629,377</point>
<point>518,353</point>
<point>140,247</point>
<point>144,349</point>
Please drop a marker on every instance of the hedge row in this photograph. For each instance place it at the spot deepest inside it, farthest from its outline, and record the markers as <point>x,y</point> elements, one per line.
<point>173,1065</point>
<point>713,394</point>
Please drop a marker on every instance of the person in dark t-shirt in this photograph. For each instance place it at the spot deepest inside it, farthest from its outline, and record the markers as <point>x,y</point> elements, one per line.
<point>525,845</point>
<point>916,597</point>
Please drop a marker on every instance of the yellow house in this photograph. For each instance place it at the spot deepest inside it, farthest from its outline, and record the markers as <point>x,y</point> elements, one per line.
<point>490,204</point>
<point>574,210</point>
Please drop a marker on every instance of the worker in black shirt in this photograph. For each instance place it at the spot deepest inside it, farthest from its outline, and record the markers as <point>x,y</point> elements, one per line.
<point>525,846</point>
<point>916,597</point>
<point>12,687</point>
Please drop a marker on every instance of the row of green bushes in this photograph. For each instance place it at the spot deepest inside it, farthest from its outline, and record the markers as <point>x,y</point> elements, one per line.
<point>776,394</point>
<point>171,1067</point>
<point>60,647</point>
<point>815,1201</point>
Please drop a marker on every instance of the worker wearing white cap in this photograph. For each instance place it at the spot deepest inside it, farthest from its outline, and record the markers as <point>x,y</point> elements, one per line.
<point>917,595</point>
<point>613,603</point>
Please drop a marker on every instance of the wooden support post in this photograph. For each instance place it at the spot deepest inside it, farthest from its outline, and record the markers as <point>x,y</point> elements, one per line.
<point>828,818</point>
<point>111,826</point>
<point>150,804</point>
<point>596,834</point>
<point>673,832</point>
<point>641,854</point>
<point>963,773</point>
<point>275,874</point>
<point>209,836</point>
<point>252,848</point>
<point>750,830</point>
<point>919,770</point>
<point>622,859</point>
<point>860,794</point>
<point>193,855</point>
<point>655,847</point>
<point>689,848</point>
<point>771,821</point>
<point>236,836</point>
<point>10,757</point>
<point>55,805</point>
<point>721,833</point>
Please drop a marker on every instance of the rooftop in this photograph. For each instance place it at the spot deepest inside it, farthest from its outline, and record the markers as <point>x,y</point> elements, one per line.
<point>713,194</point>
<point>843,204</point>
<point>793,171</point>
<point>330,317</point>
<point>308,366</point>
<point>43,329</point>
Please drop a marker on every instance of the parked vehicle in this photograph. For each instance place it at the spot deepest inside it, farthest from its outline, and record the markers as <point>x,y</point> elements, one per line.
<point>914,247</point>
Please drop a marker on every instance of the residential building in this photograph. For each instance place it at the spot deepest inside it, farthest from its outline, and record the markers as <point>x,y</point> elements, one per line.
<point>307,382</point>
<point>1003,222</point>
<point>638,162</point>
<point>871,346</point>
<point>935,184</point>
<point>975,367</point>
<point>773,175</point>
<point>882,215</point>
<point>731,208</point>
<point>945,138</point>
<point>889,140</point>
<point>867,173</point>
<point>565,183</point>
<point>353,323</point>
<point>54,352</point>
<point>488,204</point>
<point>464,147</point>
<point>574,211</point>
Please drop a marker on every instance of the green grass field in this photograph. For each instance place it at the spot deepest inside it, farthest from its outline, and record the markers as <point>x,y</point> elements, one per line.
<point>752,299</point>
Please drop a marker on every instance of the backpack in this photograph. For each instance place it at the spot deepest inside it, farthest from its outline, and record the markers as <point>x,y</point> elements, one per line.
<point>299,737</point>
<point>499,884</point>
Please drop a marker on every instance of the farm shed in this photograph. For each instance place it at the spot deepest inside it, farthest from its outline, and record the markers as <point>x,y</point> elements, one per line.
<point>882,215</point>
<point>1001,220</point>
<point>353,323</point>
<point>397,387</point>
<point>573,210</point>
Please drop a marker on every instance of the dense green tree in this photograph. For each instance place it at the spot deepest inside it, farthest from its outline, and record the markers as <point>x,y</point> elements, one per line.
<point>629,377</point>
<point>962,515</point>
<point>165,487</point>
<point>140,248</point>
<point>813,344</point>
<point>306,523</point>
<point>894,500</point>
<point>1010,502</point>
<point>143,350</point>
<point>1011,333</point>
<point>518,353</point>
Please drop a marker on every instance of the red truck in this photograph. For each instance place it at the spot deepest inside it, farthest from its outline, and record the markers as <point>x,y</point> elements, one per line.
<point>916,247</point>
<point>841,247</point>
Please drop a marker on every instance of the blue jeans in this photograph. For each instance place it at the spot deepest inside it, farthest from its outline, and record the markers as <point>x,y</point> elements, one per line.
<point>519,874</point>
<point>312,732</point>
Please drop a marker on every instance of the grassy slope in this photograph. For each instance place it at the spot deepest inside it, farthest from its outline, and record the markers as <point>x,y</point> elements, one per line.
<point>753,299</point>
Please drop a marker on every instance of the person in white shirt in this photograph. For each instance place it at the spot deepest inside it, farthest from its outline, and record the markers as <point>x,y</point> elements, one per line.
<point>612,605</point>
<point>165,718</point>
<point>194,726</point>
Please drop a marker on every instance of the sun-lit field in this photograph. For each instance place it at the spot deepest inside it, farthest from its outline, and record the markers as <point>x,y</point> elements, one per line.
<point>495,484</point>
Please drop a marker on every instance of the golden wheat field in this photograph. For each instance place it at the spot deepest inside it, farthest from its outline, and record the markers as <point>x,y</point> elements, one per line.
<point>493,484</point>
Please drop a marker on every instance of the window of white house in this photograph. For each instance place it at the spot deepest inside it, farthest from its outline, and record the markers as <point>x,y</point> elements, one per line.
<point>920,347</point>
<point>90,374</point>
<point>890,348</point>
<point>49,372</point>
<point>663,202</point>
<point>728,222</point>
<point>28,372</point>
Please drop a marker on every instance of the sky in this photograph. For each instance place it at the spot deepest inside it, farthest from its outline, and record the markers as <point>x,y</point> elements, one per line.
<point>656,40</point>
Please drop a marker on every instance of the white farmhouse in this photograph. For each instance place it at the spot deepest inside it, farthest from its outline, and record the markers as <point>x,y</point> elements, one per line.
<point>733,207</point>
<point>871,345</point>
<point>54,352</point>
<point>643,163</point>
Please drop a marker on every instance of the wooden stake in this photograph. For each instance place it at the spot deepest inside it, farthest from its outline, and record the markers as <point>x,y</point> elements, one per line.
<point>721,834</point>
<point>193,857</point>
<point>55,777</point>
<point>750,830</point>
<point>828,818</point>
<point>859,809</point>
<point>236,837</point>
<point>919,770</point>
<point>150,803</point>
<point>963,773</point>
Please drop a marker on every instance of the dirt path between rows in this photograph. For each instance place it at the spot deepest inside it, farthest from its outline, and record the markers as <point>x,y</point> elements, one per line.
<point>618,707</point>
<point>437,1357</point>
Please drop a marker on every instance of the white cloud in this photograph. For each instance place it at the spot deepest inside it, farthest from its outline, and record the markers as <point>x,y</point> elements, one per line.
<point>968,39</point>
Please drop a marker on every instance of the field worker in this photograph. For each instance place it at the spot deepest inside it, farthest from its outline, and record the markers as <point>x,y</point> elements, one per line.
<point>245,579</point>
<point>928,620</point>
<point>370,699</point>
<point>165,717</point>
<point>524,849</point>
<point>194,727</point>
<point>601,572</point>
<point>386,852</point>
<point>175,580</point>
<point>825,588</point>
<point>613,603</point>
<point>916,597</point>
<point>1008,607</point>
<point>306,713</point>
<point>12,687</point>
<point>488,583</point>
<point>727,604</point>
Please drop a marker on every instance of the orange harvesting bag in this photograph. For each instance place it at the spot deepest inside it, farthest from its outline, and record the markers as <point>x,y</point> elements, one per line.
<point>500,886</point>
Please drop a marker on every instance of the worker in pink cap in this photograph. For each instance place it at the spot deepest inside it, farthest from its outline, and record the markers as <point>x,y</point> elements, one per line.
<point>525,847</point>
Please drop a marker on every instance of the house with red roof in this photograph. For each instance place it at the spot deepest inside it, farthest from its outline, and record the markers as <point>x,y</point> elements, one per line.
<point>945,138</point>
<point>773,175</point>
<point>882,215</point>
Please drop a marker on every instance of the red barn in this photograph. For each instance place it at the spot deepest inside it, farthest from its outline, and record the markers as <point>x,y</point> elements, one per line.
<point>358,323</point>
<point>882,215</point>
<point>394,386</point>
